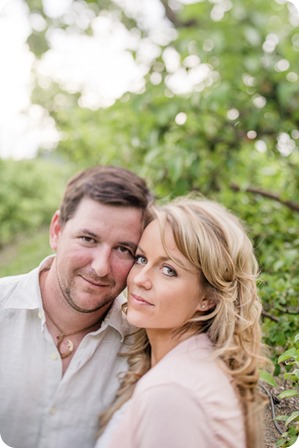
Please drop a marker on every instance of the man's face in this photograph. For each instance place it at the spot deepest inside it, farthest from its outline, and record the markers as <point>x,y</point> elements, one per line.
<point>94,253</point>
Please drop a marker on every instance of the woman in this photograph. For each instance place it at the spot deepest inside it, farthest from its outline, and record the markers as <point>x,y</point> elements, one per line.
<point>193,365</point>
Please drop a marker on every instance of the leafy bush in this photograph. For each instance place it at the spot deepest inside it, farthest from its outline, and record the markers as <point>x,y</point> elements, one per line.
<point>30,191</point>
<point>290,359</point>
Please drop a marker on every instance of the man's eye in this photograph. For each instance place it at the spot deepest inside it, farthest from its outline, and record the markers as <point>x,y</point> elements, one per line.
<point>170,272</point>
<point>139,259</point>
<point>87,239</point>
<point>125,250</point>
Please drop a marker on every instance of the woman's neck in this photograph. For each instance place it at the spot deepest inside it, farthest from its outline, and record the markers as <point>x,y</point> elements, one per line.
<point>162,342</point>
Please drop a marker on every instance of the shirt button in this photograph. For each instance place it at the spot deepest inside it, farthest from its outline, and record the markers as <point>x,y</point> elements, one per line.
<point>41,314</point>
<point>53,410</point>
<point>54,356</point>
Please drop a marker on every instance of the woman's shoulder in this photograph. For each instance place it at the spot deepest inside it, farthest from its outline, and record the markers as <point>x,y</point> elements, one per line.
<point>192,365</point>
<point>194,380</point>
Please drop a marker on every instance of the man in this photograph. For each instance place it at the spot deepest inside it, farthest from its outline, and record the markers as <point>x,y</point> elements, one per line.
<point>61,325</point>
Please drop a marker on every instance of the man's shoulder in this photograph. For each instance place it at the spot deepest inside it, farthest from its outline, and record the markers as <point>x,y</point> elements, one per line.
<point>8,285</point>
<point>15,287</point>
<point>12,280</point>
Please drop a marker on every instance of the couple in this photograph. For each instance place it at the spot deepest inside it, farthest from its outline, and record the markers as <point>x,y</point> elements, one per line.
<point>175,366</point>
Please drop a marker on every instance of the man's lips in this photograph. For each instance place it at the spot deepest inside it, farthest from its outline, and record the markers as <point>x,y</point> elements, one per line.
<point>139,300</point>
<point>97,283</point>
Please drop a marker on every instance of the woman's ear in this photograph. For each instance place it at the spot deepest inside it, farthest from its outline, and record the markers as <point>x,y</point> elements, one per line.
<point>55,230</point>
<point>205,305</point>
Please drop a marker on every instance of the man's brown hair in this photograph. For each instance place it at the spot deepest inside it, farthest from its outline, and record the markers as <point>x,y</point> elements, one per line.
<point>109,185</point>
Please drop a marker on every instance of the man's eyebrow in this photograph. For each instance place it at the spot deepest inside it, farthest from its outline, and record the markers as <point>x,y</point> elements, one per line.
<point>133,246</point>
<point>88,232</point>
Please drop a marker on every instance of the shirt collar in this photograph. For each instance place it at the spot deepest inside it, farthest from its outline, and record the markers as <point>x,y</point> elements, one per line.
<point>26,294</point>
<point>116,317</point>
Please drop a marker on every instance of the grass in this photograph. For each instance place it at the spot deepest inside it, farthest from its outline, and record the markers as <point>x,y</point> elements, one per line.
<point>25,253</point>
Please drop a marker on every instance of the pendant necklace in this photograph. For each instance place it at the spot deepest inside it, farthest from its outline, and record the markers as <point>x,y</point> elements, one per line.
<point>64,353</point>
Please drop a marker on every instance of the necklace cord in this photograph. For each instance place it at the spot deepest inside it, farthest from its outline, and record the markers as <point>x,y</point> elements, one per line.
<point>62,336</point>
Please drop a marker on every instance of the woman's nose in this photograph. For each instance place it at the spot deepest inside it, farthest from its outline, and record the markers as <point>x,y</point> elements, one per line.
<point>141,277</point>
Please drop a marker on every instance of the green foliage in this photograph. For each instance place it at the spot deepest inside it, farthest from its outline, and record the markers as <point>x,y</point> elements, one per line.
<point>290,360</point>
<point>30,191</point>
<point>25,253</point>
<point>234,117</point>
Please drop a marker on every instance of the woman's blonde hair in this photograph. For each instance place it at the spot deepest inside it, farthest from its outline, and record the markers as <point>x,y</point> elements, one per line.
<point>215,242</point>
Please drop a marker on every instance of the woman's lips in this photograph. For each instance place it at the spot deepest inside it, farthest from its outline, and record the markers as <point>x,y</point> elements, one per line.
<point>140,300</point>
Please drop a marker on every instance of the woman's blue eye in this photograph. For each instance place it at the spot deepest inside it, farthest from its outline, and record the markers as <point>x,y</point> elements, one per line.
<point>170,272</point>
<point>139,259</point>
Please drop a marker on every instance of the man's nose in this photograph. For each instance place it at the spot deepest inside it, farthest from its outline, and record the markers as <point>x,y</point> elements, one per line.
<point>101,262</point>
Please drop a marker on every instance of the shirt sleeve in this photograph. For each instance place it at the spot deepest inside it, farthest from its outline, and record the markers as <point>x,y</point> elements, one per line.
<point>169,416</point>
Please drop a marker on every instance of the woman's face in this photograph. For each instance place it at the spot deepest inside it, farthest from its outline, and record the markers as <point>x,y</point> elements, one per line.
<point>161,294</point>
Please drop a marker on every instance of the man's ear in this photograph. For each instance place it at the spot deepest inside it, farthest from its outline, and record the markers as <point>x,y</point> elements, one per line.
<point>55,230</point>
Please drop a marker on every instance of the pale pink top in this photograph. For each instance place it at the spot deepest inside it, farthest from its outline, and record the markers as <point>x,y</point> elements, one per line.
<point>185,401</point>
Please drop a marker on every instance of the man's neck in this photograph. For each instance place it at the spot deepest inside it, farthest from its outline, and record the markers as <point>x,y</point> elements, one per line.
<point>67,326</point>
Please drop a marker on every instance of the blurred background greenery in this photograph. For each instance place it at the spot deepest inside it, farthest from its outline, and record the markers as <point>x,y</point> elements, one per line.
<point>229,130</point>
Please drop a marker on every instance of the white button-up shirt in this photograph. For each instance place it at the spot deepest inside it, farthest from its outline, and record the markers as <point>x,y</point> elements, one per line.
<point>40,408</point>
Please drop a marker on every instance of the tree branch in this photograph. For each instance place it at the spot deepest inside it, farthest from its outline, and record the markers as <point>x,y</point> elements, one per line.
<point>270,316</point>
<point>267,194</point>
<point>172,17</point>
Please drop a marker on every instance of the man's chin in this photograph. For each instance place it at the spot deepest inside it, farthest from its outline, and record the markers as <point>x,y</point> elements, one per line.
<point>89,306</point>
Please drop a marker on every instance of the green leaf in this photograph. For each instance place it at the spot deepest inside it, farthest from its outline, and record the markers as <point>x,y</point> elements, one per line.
<point>293,440</point>
<point>290,377</point>
<point>281,441</point>
<point>268,378</point>
<point>291,353</point>
<point>281,418</point>
<point>288,393</point>
<point>292,417</point>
